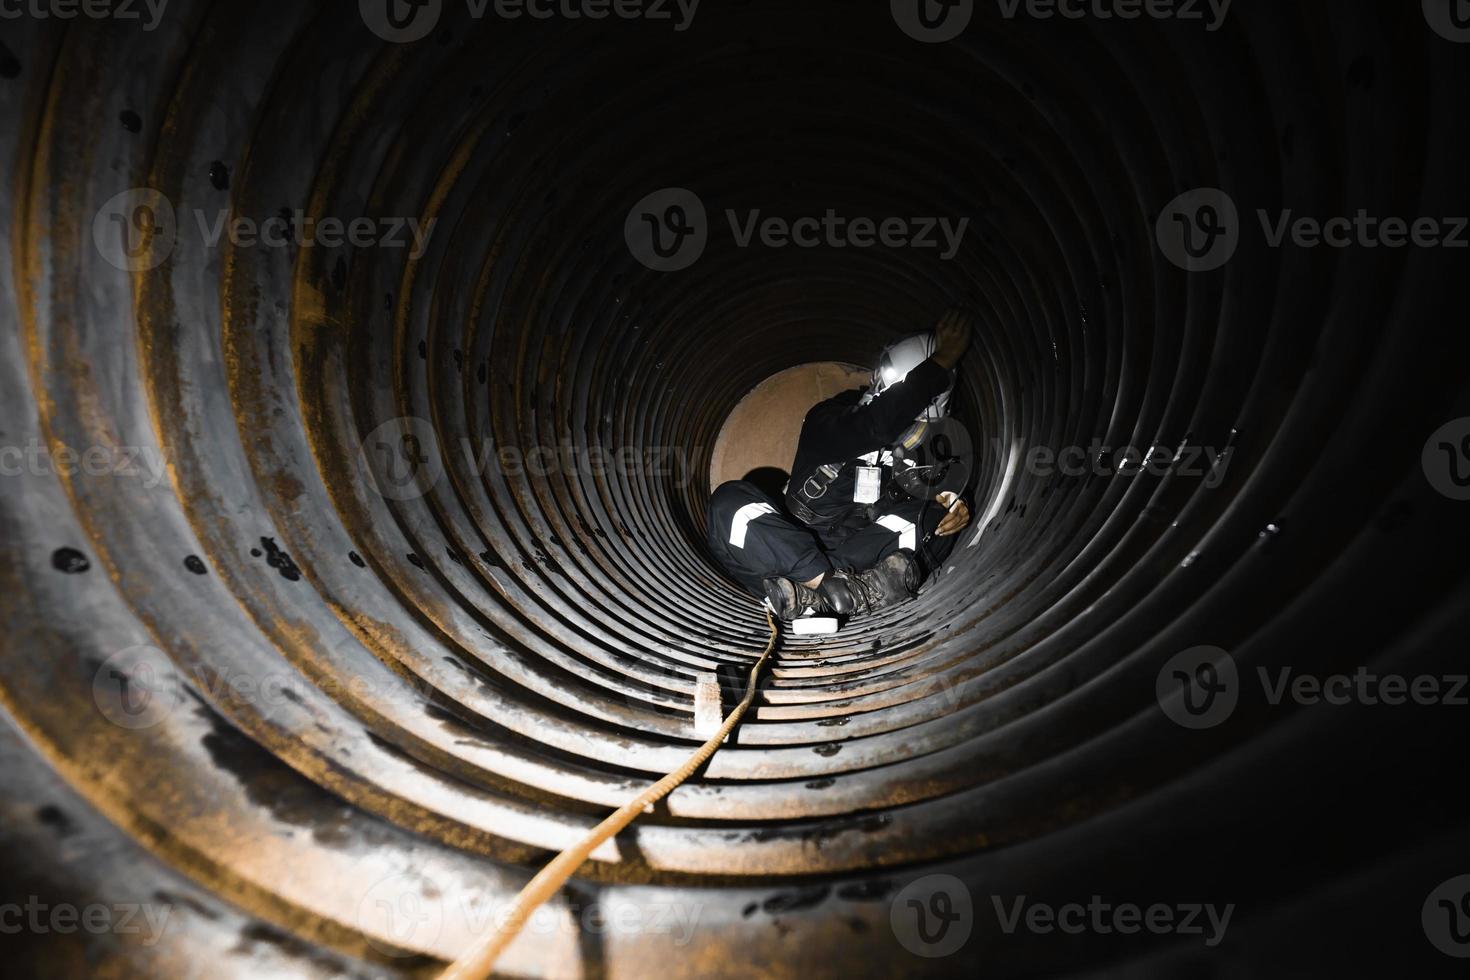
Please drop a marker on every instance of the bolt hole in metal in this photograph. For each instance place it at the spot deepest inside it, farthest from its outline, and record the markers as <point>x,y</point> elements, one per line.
<point>357,448</point>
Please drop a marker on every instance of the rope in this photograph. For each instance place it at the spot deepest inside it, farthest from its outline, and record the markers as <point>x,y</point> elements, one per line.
<point>478,962</point>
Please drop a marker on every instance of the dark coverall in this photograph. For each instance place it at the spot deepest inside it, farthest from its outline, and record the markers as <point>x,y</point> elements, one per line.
<point>754,537</point>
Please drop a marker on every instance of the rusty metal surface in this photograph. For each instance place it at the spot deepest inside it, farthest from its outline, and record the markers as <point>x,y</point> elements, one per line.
<point>380,708</point>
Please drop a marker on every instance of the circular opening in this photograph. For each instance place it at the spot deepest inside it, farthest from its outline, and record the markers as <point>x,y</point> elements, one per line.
<point>758,440</point>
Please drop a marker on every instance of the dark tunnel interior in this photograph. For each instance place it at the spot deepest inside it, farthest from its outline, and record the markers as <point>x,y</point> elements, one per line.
<point>405,537</point>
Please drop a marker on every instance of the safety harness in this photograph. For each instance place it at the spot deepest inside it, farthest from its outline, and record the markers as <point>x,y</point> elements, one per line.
<point>804,500</point>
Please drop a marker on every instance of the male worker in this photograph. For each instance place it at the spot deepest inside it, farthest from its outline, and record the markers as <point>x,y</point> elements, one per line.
<point>850,540</point>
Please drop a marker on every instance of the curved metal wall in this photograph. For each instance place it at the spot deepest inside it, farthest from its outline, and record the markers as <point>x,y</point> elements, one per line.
<point>382,695</point>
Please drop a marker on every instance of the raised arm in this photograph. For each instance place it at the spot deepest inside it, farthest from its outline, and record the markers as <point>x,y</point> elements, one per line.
<point>883,420</point>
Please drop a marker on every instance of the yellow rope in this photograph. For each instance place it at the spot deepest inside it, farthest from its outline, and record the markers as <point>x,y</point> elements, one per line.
<point>479,961</point>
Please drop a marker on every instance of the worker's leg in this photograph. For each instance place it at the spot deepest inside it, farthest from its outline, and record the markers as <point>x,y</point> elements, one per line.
<point>753,540</point>
<point>887,561</point>
<point>900,526</point>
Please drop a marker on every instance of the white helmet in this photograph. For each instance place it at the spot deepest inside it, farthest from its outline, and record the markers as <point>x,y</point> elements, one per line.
<point>897,360</point>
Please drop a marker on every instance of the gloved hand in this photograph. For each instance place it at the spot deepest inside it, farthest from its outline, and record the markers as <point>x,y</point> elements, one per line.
<point>957,519</point>
<point>951,337</point>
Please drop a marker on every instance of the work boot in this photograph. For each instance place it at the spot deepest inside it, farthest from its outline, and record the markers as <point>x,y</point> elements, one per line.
<point>792,600</point>
<point>893,580</point>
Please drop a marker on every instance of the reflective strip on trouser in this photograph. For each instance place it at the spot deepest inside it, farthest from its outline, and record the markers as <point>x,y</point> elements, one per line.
<point>743,517</point>
<point>908,537</point>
